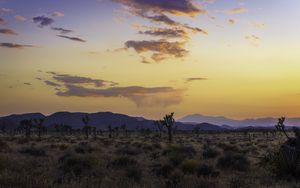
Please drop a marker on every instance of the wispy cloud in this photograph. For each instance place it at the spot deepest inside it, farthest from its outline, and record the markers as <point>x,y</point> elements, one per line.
<point>141,96</point>
<point>69,79</point>
<point>50,83</point>
<point>16,46</point>
<point>165,32</point>
<point>188,80</point>
<point>20,18</point>
<point>6,10</point>
<point>232,21</point>
<point>8,32</point>
<point>58,14</point>
<point>42,21</point>
<point>61,30</point>
<point>176,7</point>
<point>77,86</point>
<point>238,10</point>
<point>72,38</point>
<point>253,40</point>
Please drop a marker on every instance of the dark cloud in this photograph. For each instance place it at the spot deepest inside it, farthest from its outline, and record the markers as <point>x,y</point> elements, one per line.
<point>176,7</point>
<point>194,79</point>
<point>50,83</point>
<point>141,96</point>
<point>72,38</point>
<point>168,33</point>
<point>69,79</point>
<point>76,86</point>
<point>160,49</point>
<point>12,45</point>
<point>27,83</point>
<point>42,21</point>
<point>8,32</point>
<point>161,18</point>
<point>61,30</point>
<point>1,21</point>
<point>158,12</point>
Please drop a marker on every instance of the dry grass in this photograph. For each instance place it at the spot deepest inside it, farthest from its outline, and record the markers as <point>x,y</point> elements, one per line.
<point>207,160</point>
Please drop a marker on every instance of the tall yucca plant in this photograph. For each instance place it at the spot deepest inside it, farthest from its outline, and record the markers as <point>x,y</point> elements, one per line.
<point>169,121</point>
<point>86,128</point>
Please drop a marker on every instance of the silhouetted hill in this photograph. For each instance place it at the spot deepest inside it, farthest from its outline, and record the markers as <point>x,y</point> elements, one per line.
<point>101,120</point>
<point>14,120</point>
<point>219,120</point>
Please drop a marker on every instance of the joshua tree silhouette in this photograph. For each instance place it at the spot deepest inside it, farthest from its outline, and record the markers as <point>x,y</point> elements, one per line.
<point>159,126</point>
<point>169,121</point>
<point>39,126</point>
<point>27,126</point>
<point>86,128</point>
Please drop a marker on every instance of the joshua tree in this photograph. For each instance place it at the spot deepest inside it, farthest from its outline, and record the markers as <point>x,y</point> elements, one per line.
<point>169,122</point>
<point>27,126</point>
<point>110,130</point>
<point>94,131</point>
<point>39,126</point>
<point>197,131</point>
<point>86,127</point>
<point>159,126</point>
<point>124,129</point>
<point>116,130</point>
<point>281,127</point>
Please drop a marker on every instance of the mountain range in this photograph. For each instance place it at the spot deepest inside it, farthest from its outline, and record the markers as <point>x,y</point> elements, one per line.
<point>223,121</point>
<point>101,120</point>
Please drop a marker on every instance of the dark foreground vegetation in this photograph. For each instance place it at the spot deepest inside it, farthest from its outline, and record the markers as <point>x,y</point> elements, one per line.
<point>35,158</point>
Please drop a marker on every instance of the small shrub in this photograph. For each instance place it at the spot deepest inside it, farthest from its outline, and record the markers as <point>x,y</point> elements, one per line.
<point>36,152</point>
<point>229,148</point>
<point>234,161</point>
<point>206,170</point>
<point>178,153</point>
<point>174,179</point>
<point>277,164</point>
<point>123,161</point>
<point>163,170</point>
<point>75,165</point>
<point>128,150</point>
<point>189,166</point>
<point>84,148</point>
<point>4,147</point>
<point>134,172</point>
<point>210,153</point>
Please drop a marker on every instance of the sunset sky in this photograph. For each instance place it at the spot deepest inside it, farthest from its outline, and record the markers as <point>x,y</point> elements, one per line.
<point>234,58</point>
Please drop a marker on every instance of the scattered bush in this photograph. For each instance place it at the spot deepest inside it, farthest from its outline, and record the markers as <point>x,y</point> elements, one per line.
<point>234,161</point>
<point>178,153</point>
<point>189,166</point>
<point>206,170</point>
<point>36,152</point>
<point>210,152</point>
<point>134,172</point>
<point>163,170</point>
<point>123,161</point>
<point>128,150</point>
<point>75,165</point>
